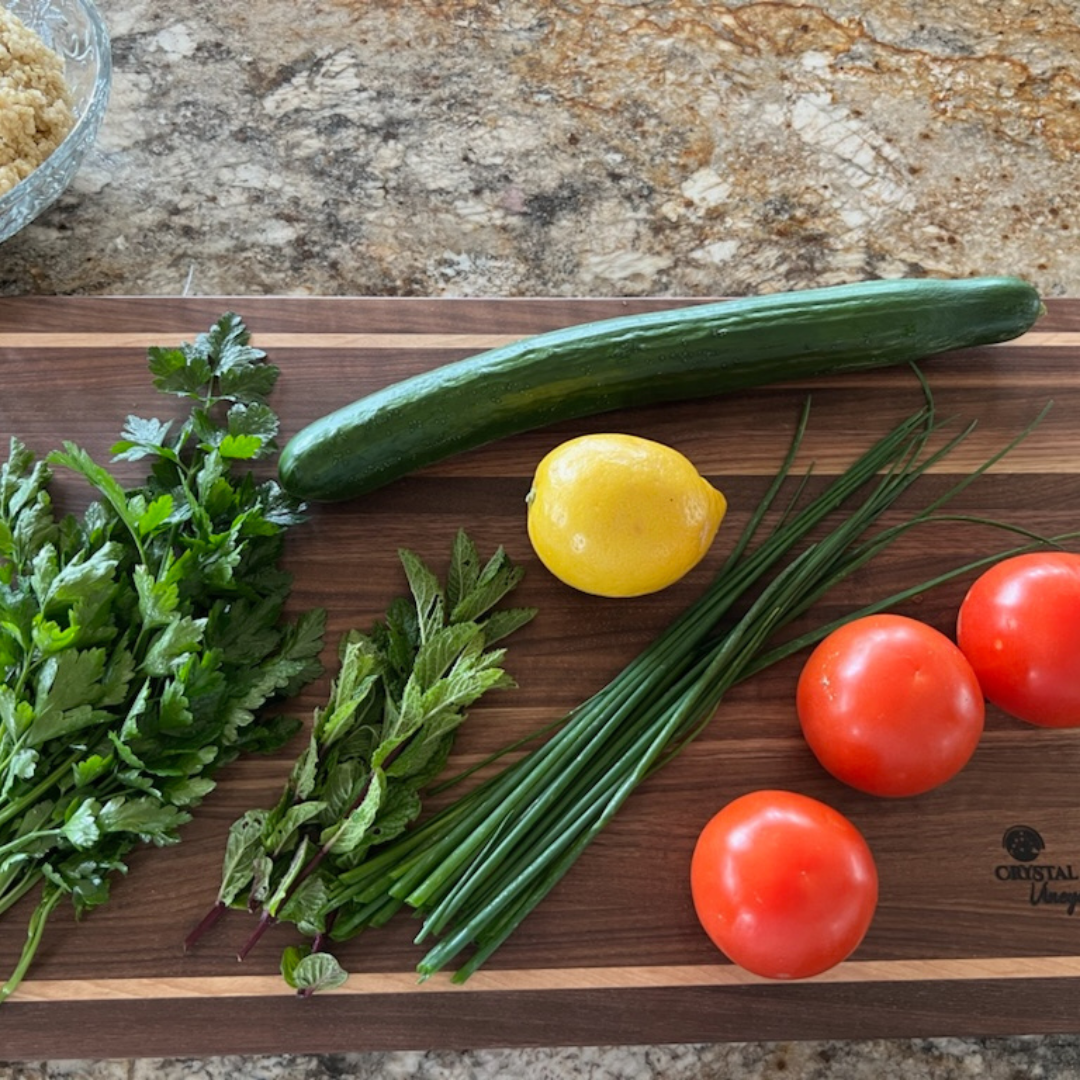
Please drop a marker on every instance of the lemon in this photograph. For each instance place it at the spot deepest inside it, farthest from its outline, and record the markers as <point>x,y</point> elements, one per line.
<point>619,515</point>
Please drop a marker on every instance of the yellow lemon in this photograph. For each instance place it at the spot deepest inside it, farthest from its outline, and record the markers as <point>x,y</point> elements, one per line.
<point>619,515</point>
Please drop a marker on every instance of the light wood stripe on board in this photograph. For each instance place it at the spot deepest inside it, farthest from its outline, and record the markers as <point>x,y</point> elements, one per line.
<point>553,980</point>
<point>142,339</point>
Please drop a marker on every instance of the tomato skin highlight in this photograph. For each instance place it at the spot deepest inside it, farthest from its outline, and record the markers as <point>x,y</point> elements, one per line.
<point>890,705</point>
<point>1019,626</point>
<point>784,885</point>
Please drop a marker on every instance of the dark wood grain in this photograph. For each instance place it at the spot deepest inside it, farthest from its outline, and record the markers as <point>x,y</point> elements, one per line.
<point>614,954</point>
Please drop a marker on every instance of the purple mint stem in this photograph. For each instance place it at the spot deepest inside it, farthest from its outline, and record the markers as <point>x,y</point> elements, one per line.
<point>208,921</point>
<point>265,922</point>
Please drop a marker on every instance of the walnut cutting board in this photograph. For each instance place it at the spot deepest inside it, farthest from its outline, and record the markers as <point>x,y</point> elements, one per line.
<point>963,942</point>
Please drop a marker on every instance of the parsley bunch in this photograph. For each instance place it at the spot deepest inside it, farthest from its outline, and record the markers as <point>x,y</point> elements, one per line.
<point>140,641</point>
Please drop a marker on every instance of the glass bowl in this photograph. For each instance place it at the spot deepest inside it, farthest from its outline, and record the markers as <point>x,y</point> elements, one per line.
<point>75,30</point>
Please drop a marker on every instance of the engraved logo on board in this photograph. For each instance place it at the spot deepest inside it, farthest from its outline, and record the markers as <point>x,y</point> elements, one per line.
<point>1023,843</point>
<point>1049,884</point>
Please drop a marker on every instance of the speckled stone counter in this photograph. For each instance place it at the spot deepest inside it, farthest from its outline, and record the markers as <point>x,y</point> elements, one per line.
<point>938,1059</point>
<point>568,147</point>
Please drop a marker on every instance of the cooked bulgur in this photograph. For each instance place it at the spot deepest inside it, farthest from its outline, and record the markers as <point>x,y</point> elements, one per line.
<point>35,103</point>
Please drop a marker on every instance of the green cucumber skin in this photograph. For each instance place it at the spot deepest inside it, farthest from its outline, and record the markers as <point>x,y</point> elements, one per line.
<point>661,356</point>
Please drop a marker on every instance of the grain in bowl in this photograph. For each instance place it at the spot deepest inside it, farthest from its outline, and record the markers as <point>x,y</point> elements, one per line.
<point>35,102</point>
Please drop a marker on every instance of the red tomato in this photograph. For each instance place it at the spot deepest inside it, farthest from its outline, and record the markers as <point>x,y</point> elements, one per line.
<point>1019,626</point>
<point>890,705</point>
<point>784,885</point>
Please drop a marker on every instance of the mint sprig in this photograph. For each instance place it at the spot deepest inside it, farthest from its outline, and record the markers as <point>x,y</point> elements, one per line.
<point>401,692</point>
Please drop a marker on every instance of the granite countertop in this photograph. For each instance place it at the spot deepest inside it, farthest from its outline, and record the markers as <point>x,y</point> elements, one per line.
<point>937,1059</point>
<point>674,147</point>
<point>573,148</point>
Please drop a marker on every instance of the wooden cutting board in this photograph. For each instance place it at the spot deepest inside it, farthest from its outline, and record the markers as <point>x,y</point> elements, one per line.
<point>963,942</point>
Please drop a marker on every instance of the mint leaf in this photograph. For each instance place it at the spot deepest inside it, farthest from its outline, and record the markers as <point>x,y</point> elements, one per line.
<point>502,623</point>
<point>349,834</point>
<point>288,827</point>
<point>498,577</point>
<point>244,843</point>
<point>343,785</point>
<point>464,570</point>
<point>306,905</point>
<point>401,807</point>
<point>308,972</point>
<point>439,652</point>
<point>427,594</point>
<point>290,961</point>
<point>283,885</point>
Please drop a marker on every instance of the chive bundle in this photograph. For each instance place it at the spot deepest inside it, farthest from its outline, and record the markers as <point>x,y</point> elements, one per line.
<point>475,870</point>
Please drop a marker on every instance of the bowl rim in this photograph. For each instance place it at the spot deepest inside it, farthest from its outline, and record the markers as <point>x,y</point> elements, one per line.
<point>72,141</point>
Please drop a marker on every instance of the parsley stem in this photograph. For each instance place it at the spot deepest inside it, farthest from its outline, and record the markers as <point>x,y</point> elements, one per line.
<point>9,896</point>
<point>50,897</point>
<point>18,806</point>
<point>27,838</point>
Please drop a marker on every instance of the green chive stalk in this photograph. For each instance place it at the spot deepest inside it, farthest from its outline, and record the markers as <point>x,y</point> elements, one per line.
<point>475,870</point>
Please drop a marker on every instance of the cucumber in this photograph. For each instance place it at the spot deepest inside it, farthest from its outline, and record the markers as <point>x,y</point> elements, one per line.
<point>686,352</point>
